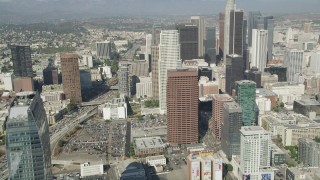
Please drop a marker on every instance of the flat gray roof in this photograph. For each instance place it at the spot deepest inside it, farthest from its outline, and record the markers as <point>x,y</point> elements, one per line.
<point>18,111</point>
<point>149,142</point>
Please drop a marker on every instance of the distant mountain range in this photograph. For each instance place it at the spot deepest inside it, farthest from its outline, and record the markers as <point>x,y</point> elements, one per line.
<point>29,11</point>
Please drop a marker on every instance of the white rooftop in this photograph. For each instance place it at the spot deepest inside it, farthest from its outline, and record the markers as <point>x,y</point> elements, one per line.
<point>149,142</point>
<point>18,111</point>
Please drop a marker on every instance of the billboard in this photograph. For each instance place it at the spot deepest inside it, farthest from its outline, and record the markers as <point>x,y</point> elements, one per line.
<point>206,169</point>
<point>195,170</point>
<point>217,169</point>
<point>266,176</point>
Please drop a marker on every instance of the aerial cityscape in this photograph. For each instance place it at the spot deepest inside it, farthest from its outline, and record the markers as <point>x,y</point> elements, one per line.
<point>159,90</point>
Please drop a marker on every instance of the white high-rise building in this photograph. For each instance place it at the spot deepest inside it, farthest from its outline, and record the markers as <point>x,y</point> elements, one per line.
<point>229,7</point>
<point>103,49</point>
<point>169,58</point>
<point>255,147</point>
<point>293,60</point>
<point>315,62</point>
<point>199,20</point>
<point>148,47</point>
<point>259,49</point>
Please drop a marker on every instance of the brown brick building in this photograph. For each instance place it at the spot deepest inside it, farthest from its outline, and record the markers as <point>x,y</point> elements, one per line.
<point>71,77</point>
<point>182,106</point>
<point>218,101</point>
<point>23,84</point>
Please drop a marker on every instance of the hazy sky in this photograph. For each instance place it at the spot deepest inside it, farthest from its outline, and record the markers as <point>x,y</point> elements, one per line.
<point>58,8</point>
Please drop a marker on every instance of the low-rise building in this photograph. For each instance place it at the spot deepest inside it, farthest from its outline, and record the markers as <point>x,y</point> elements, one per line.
<point>207,87</point>
<point>106,71</point>
<point>115,109</point>
<point>148,146</point>
<point>204,167</point>
<point>267,78</point>
<point>6,81</point>
<point>292,133</point>
<point>307,107</point>
<point>278,157</point>
<point>156,160</point>
<point>87,169</point>
<point>266,93</point>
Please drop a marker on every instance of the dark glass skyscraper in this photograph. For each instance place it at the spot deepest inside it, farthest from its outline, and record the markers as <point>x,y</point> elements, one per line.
<point>210,45</point>
<point>230,129</point>
<point>236,32</point>
<point>188,35</point>
<point>235,67</point>
<point>27,140</point>
<point>21,59</point>
<point>254,75</point>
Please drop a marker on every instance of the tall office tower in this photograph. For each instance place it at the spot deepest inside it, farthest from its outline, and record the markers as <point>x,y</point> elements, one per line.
<point>147,54</point>
<point>315,62</point>
<point>50,75</point>
<point>235,68</point>
<point>169,58</point>
<point>252,24</point>
<point>259,49</point>
<point>21,59</point>
<point>270,27</point>
<point>254,75</point>
<point>123,79</point>
<point>218,101</point>
<point>71,77</point>
<point>255,143</point>
<point>236,32</point>
<point>293,60</point>
<point>188,41</point>
<point>103,49</point>
<point>246,97</point>
<point>229,7</point>
<point>230,129</point>
<point>155,71</point>
<point>244,36</point>
<point>182,106</point>
<point>156,30</point>
<point>27,139</point>
<point>199,21</point>
<point>307,27</point>
<point>221,34</point>
<point>210,45</point>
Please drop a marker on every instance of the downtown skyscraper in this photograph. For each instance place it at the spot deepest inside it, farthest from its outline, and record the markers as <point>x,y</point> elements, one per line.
<point>27,139</point>
<point>293,60</point>
<point>199,21</point>
<point>226,45</point>
<point>21,59</point>
<point>259,49</point>
<point>182,106</point>
<point>188,41</point>
<point>169,58</point>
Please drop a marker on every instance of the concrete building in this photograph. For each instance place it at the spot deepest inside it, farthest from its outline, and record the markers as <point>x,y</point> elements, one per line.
<point>71,77</point>
<point>123,79</point>
<point>227,28</point>
<point>255,150</point>
<point>259,49</point>
<point>188,41</point>
<point>204,167</point>
<point>27,128</point>
<point>50,75</point>
<point>267,78</point>
<point>218,101</point>
<point>155,71</point>
<point>309,152</point>
<point>115,109</point>
<point>315,62</point>
<point>294,63</point>
<point>23,84</point>
<point>87,169</point>
<point>246,96</point>
<point>235,67</point>
<point>144,87</point>
<point>264,104</point>
<point>169,58</point>
<point>6,81</point>
<point>106,71</point>
<point>87,60</point>
<point>207,87</point>
<point>200,22</point>
<point>103,49</point>
<point>156,160</point>
<point>194,63</point>
<point>148,146</point>
<point>182,108</point>
<point>307,27</point>
<point>147,54</point>
<point>252,24</point>
<point>21,59</point>
<point>230,129</point>
<point>139,68</point>
<point>287,92</point>
<point>291,133</point>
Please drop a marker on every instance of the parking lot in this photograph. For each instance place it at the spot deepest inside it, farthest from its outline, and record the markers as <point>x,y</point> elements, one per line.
<point>98,137</point>
<point>151,125</point>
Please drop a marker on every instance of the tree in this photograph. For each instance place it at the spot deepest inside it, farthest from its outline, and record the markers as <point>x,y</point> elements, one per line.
<point>281,104</point>
<point>152,116</point>
<point>140,118</point>
<point>61,143</point>
<point>229,167</point>
<point>114,66</point>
